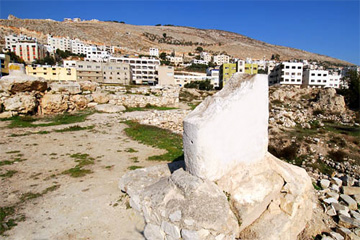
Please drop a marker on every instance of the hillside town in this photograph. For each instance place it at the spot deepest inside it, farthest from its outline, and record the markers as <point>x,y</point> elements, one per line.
<point>105,65</point>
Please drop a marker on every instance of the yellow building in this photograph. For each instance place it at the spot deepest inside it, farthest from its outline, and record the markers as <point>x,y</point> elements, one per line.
<point>52,73</point>
<point>251,68</point>
<point>4,61</point>
<point>226,72</point>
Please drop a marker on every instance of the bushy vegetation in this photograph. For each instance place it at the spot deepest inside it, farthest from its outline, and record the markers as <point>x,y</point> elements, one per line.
<point>201,85</point>
<point>352,94</point>
<point>197,68</point>
<point>157,137</point>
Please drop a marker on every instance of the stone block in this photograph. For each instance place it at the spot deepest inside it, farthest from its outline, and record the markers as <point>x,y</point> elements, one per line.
<point>241,109</point>
<point>349,201</point>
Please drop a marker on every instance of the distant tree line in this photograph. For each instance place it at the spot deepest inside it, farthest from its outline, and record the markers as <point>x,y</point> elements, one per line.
<point>201,85</point>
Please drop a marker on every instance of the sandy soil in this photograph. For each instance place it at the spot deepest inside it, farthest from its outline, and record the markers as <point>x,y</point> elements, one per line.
<point>88,207</point>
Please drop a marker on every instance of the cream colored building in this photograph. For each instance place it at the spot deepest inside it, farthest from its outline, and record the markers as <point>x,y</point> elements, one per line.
<point>221,59</point>
<point>166,75</point>
<point>52,73</point>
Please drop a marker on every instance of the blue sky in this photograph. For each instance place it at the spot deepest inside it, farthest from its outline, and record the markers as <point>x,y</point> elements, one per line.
<point>326,27</point>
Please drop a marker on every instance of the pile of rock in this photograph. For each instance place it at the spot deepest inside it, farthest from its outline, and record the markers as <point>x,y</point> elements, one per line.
<point>231,187</point>
<point>23,94</point>
<point>340,197</point>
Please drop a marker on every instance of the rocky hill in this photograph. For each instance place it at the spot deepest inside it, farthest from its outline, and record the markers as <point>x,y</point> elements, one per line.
<point>138,39</point>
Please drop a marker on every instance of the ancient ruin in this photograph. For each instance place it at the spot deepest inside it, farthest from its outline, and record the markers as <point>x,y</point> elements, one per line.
<point>231,185</point>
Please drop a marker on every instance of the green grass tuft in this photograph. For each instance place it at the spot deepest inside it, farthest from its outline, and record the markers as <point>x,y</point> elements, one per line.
<point>148,107</point>
<point>134,167</point>
<point>157,137</point>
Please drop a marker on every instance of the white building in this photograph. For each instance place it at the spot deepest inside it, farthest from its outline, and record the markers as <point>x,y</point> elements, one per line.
<point>315,78</point>
<point>221,59</point>
<point>175,60</point>
<point>69,63</point>
<point>334,80</point>
<point>78,47</point>
<point>182,79</point>
<point>214,76</point>
<point>64,44</point>
<point>205,56</point>
<point>240,66</point>
<point>27,48</point>
<point>144,70</point>
<point>95,55</point>
<point>287,73</point>
<point>195,61</point>
<point>154,52</point>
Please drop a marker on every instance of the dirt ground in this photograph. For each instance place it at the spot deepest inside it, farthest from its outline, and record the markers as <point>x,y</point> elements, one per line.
<point>87,207</point>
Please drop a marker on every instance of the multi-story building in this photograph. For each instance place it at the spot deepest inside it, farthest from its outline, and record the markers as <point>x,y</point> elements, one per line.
<point>64,44</point>
<point>27,48</point>
<point>315,78</point>
<point>205,56</point>
<point>109,72</point>
<point>144,70</point>
<point>288,73</point>
<point>166,75</point>
<point>4,64</point>
<point>154,52</point>
<point>221,59</point>
<point>95,55</point>
<point>52,73</point>
<point>70,63</point>
<point>78,47</point>
<point>175,60</point>
<point>116,73</point>
<point>195,61</point>
<point>240,66</point>
<point>334,80</point>
<point>214,75</point>
<point>251,68</point>
<point>226,72</point>
<point>182,79</point>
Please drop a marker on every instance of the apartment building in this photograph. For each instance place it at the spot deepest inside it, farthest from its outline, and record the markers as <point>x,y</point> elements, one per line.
<point>214,74</point>
<point>251,68</point>
<point>221,59</point>
<point>95,55</point>
<point>4,64</point>
<point>52,73</point>
<point>240,66</point>
<point>334,80</point>
<point>182,79</point>
<point>166,75</point>
<point>154,52</point>
<point>175,60</point>
<point>205,56</point>
<point>27,48</point>
<point>315,78</point>
<point>64,44</point>
<point>109,72</point>
<point>70,63</point>
<point>143,70</point>
<point>288,73</point>
<point>78,47</point>
<point>226,72</point>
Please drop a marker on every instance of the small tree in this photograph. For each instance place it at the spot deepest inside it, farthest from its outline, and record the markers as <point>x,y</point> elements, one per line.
<point>352,94</point>
<point>199,49</point>
<point>158,25</point>
<point>162,56</point>
<point>164,35</point>
<point>275,57</point>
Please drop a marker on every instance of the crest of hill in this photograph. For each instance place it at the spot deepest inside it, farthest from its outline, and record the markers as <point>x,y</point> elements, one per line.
<point>138,39</point>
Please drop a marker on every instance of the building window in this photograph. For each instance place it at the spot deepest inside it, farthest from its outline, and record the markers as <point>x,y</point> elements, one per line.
<point>293,67</point>
<point>299,67</point>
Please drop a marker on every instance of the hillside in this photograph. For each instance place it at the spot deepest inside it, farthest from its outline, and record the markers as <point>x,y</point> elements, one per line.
<point>138,39</point>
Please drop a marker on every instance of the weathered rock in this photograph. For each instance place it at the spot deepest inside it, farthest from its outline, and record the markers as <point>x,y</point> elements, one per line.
<point>324,183</point>
<point>70,87</point>
<point>241,109</point>
<point>101,97</point>
<point>153,232</point>
<point>349,201</point>
<point>88,86</point>
<point>54,103</point>
<point>336,236</point>
<point>328,100</point>
<point>351,190</point>
<point>348,222</point>
<point>109,108</point>
<point>5,115</point>
<point>18,81</point>
<point>80,101</point>
<point>157,194</point>
<point>21,103</point>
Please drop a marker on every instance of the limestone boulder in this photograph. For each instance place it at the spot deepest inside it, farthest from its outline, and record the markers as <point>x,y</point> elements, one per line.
<point>179,205</point>
<point>328,100</point>
<point>70,87</point>
<point>21,103</point>
<point>101,97</point>
<point>88,86</point>
<point>80,101</point>
<point>109,108</point>
<point>233,119</point>
<point>54,103</point>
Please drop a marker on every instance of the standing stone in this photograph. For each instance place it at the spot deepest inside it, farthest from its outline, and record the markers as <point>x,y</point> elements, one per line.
<point>228,129</point>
